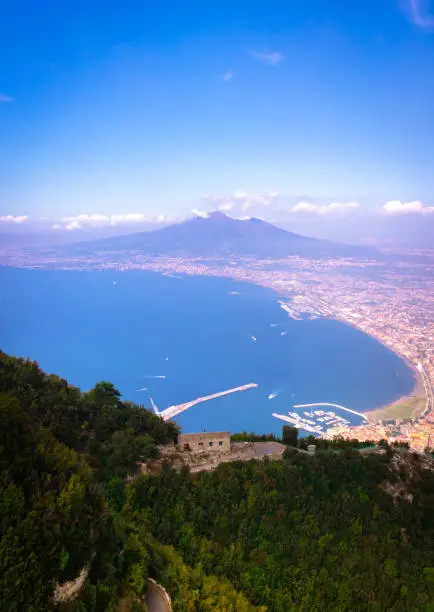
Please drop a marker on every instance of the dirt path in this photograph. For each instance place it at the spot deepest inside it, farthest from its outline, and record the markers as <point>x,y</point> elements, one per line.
<point>157,599</point>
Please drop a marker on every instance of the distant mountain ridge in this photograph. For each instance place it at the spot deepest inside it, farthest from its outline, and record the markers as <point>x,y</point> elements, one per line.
<point>218,235</point>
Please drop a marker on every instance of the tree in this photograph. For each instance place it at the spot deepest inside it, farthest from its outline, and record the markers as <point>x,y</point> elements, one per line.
<point>290,435</point>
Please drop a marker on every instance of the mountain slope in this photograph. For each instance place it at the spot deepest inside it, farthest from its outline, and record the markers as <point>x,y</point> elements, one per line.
<point>219,235</point>
<point>69,538</point>
<point>333,531</point>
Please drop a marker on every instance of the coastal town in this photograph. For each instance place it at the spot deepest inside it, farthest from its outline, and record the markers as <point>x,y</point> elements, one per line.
<point>394,303</point>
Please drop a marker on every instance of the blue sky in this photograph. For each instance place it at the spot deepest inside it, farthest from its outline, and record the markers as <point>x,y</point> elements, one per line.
<point>136,106</point>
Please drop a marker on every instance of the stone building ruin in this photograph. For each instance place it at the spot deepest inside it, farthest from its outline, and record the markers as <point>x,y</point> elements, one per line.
<point>216,441</point>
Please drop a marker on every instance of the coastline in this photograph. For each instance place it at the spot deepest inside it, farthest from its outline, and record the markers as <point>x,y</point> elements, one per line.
<point>405,406</point>
<point>407,403</point>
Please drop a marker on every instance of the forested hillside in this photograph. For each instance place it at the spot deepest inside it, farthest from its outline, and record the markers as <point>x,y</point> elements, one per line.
<point>63,458</point>
<point>304,533</point>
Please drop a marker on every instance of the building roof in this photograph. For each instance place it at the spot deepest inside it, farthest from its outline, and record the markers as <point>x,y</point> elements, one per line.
<point>207,434</point>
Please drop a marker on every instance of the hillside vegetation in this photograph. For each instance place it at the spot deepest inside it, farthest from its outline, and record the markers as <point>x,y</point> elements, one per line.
<point>337,531</point>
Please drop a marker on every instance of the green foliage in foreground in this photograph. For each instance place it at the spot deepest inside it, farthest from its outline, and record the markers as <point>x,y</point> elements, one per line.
<point>64,506</point>
<point>253,437</point>
<point>112,435</point>
<point>304,533</point>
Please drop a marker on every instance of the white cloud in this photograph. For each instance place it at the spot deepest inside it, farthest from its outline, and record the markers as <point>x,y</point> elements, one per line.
<point>396,207</point>
<point>242,202</point>
<point>419,13</point>
<point>84,219</point>
<point>13,219</point>
<point>5,98</point>
<point>272,58</point>
<point>199,213</point>
<point>226,206</point>
<point>337,207</point>
<point>240,195</point>
<point>127,218</point>
<point>275,206</point>
<point>324,209</point>
<point>98,220</point>
<point>73,226</point>
<point>306,207</point>
<point>228,76</point>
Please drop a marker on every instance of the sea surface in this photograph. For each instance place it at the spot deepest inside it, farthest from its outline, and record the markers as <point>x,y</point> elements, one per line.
<point>195,334</point>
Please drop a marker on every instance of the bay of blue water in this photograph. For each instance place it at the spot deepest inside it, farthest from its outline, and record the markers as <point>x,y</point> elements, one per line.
<point>128,327</point>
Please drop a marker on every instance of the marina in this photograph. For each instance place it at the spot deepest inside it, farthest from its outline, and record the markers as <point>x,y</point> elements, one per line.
<point>318,421</point>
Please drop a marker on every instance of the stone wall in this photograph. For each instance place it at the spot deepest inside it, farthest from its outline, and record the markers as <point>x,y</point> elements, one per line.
<point>204,460</point>
<point>214,441</point>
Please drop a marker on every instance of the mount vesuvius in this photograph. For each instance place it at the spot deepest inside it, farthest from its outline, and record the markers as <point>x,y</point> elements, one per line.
<point>218,235</point>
